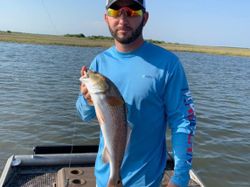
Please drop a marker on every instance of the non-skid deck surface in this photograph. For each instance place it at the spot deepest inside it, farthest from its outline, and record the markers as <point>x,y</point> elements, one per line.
<point>33,177</point>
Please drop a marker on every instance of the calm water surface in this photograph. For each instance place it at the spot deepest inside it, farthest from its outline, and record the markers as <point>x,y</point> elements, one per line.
<point>39,85</point>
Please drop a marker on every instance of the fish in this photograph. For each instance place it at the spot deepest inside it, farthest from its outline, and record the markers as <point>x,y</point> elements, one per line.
<point>111,113</point>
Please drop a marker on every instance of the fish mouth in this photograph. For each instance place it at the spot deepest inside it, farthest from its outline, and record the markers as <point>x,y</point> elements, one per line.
<point>85,72</point>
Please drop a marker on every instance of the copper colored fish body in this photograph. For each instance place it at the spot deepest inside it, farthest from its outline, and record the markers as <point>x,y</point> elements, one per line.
<point>111,113</point>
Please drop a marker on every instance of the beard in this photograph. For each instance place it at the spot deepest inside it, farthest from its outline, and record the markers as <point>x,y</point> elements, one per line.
<point>128,39</point>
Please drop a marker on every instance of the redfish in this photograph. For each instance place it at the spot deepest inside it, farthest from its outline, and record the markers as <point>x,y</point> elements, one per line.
<point>111,114</point>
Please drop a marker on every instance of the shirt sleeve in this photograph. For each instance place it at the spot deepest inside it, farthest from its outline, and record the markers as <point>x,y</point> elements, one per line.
<point>85,111</point>
<point>181,119</point>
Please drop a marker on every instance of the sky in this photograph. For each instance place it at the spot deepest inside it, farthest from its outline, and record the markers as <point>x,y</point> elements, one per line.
<point>199,22</point>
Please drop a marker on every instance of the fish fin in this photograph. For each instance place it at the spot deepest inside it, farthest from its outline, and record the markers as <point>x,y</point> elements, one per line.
<point>90,102</point>
<point>119,183</point>
<point>114,101</point>
<point>105,155</point>
<point>100,115</point>
<point>112,183</point>
<point>129,131</point>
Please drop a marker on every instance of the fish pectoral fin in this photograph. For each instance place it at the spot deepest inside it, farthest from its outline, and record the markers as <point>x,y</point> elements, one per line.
<point>105,155</point>
<point>114,101</point>
<point>90,102</point>
<point>129,131</point>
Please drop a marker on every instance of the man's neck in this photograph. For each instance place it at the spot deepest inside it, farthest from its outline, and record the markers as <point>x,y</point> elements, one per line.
<point>129,47</point>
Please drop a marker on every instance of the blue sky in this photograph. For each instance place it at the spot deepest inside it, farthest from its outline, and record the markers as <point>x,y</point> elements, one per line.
<point>201,22</point>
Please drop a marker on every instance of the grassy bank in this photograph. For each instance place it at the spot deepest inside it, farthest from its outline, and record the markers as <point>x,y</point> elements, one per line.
<point>53,40</point>
<point>81,40</point>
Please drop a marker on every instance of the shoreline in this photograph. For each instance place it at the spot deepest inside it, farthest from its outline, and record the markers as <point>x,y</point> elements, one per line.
<point>107,42</point>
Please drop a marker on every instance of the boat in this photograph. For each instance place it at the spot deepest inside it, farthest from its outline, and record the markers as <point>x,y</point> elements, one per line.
<point>64,166</point>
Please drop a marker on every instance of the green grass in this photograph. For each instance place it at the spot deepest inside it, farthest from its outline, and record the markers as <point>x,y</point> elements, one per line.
<point>53,39</point>
<point>102,41</point>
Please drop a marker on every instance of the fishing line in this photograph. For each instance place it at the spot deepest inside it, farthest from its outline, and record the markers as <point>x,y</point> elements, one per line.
<point>49,16</point>
<point>74,132</point>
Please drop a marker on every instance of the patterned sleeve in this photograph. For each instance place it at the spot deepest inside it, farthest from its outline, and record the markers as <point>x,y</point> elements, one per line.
<point>182,121</point>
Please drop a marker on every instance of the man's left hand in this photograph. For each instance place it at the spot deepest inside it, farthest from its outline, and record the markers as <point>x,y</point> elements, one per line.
<point>171,185</point>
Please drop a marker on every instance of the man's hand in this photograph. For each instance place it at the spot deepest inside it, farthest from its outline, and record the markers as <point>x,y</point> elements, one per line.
<point>85,93</point>
<point>83,88</point>
<point>171,185</point>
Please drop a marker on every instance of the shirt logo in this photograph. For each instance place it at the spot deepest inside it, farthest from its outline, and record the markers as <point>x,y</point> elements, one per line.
<point>147,76</point>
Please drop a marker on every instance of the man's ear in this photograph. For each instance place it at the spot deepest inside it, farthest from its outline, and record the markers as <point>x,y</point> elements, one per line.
<point>106,18</point>
<point>145,18</point>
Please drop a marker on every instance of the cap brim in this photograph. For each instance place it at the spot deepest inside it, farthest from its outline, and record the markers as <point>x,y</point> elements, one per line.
<point>112,2</point>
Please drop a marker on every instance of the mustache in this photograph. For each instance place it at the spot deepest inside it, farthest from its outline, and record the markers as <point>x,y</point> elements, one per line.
<point>123,28</point>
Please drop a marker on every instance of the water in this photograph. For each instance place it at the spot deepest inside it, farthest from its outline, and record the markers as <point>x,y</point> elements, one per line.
<point>39,85</point>
<point>221,89</point>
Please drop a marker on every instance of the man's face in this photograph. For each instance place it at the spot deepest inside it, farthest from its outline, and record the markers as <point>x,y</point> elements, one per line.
<point>124,28</point>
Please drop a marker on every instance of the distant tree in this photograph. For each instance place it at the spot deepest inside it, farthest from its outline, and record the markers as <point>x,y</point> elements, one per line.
<point>82,35</point>
<point>8,31</point>
<point>155,41</point>
<point>75,35</point>
<point>100,37</point>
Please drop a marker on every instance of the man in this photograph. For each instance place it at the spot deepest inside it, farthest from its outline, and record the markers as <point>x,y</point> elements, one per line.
<point>154,87</point>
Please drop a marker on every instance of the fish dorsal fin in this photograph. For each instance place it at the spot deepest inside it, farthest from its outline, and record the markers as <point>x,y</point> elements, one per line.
<point>105,155</point>
<point>114,101</point>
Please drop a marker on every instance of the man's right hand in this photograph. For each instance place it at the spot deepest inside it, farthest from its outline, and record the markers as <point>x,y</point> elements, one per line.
<point>85,93</point>
<point>83,88</point>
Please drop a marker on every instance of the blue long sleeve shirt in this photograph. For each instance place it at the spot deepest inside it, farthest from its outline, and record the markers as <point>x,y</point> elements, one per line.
<point>154,86</point>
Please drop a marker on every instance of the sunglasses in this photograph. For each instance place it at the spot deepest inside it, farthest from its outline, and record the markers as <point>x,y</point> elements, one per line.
<point>129,12</point>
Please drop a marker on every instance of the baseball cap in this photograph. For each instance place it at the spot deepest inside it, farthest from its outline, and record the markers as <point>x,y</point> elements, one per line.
<point>139,2</point>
